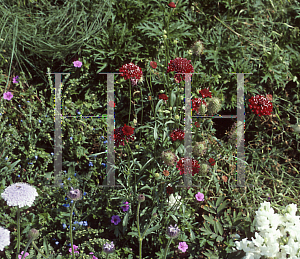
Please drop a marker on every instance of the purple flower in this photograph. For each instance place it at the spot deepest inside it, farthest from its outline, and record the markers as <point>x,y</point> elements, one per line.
<point>183,246</point>
<point>20,256</point>
<point>75,248</point>
<point>77,63</point>
<point>126,207</point>
<point>199,196</point>
<point>8,96</point>
<point>15,80</point>
<point>115,219</point>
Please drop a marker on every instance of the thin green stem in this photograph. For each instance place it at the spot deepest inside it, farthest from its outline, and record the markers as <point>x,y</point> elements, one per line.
<point>28,243</point>
<point>36,248</point>
<point>139,232</point>
<point>166,250</point>
<point>71,237</point>
<point>18,229</point>
<point>129,102</point>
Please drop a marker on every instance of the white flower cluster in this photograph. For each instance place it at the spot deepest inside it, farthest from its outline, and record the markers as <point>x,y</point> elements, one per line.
<point>272,241</point>
<point>19,194</point>
<point>4,238</point>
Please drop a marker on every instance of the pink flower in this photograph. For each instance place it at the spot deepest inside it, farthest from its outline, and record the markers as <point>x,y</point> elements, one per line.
<point>94,257</point>
<point>183,246</point>
<point>75,248</point>
<point>20,256</point>
<point>8,96</point>
<point>153,64</point>
<point>199,196</point>
<point>126,207</point>
<point>131,71</point>
<point>15,79</point>
<point>180,65</point>
<point>77,63</point>
<point>172,5</point>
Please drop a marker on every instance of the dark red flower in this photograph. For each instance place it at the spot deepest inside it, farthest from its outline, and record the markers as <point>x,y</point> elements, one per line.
<point>122,132</point>
<point>169,190</point>
<point>127,130</point>
<point>180,65</point>
<point>131,71</point>
<point>172,4</point>
<point>205,93</point>
<point>153,64</point>
<point>196,104</point>
<point>212,161</point>
<point>260,105</point>
<point>177,134</point>
<point>195,166</point>
<point>197,124</point>
<point>163,97</point>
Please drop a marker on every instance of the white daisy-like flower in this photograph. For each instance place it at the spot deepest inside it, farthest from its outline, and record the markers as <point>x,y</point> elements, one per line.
<point>19,194</point>
<point>4,238</point>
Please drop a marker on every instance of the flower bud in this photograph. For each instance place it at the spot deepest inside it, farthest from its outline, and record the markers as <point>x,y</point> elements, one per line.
<point>33,234</point>
<point>74,194</point>
<point>169,158</point>
<point>154,215</point>
<point>214,105</point>
<point>157,176</point>
<point>141,198</point>
<point>177,117</point>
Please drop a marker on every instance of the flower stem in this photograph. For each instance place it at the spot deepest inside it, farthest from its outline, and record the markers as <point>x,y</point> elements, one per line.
<point>34,245</point>
<point>166,250</point>
<point>18,229</point>
<point>129,102</point>
<point>71,237</point>
<point>28,243</point>
<point>139,232</point>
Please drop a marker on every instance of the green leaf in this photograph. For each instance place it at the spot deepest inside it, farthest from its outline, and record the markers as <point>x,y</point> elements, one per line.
<point>133,234</point>
<point>219,227</point>
<point>222,206</point>
<point>172,99</point>
<point>151,230</point>
<point>208,218</point>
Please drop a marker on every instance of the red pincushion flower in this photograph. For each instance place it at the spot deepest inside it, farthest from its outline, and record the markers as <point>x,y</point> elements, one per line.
<point>163,97</point>
<point>131,71</point>
<point>260,105</point>
<point>122,132</point>
<point>197,124</point>
<point>177,134</point>
<point>172,5</point>
<point>195,166</point>
<point>212,161</point>
<point>127,130</point>
<point>153,64</point>
<point>205,93</point>
<point>196,104</point>
<point>180,65</point>
<point>169,190</point>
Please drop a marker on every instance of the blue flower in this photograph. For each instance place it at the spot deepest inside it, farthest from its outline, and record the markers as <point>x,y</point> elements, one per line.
<point>84,193</point>
<point>46,115</point>
<point>75,174</point>
<point>21,120</point>
<point>103,164</point>
<point>52,153</point>
<point>6,158</point>
<point>40,121</point>
<point>28,101</point>
<point>71,138</point>
<point>105,141</point>
<point>18,175</point>
<point>0,114</point>
<point>102,137</point>
<point>69,178</point>
<point>66,205</point>
<point>30,163</point>
<point>64,225</point>
<point>90,164</point>
<point>56,242</point>
<point>19,105</point>
<point>85,223</point>
<point>79,113</point>
<point>76,222</point>
<point>36,157</point>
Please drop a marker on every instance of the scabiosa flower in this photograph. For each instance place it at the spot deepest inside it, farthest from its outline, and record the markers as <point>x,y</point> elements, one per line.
<point>8,96</point>
<point>126,207</point>
<point>21,255</point>
<point>172,5</point>
<point>77,63</point>
<point>198,48</point>
<point>180,65</point>
<point>199,196</point>
<point>169,190</point>
<point>115,219</point>
<point>195,166</point>
<point>166,173</point>
<point>127,130</point>
<point>75,248</point>
<point>212,161</point>
<point>169,158</point>
<point>163,97</point>
<point>15,79</point>
<point>4,238</point>
<point>199,148</point>
<point>260,105</point>
<point>183,246</point>
<point>173,232</point>
<point>121,132</point>
<point>214,105</point>
<point>19,194</point>
<point>177,134</point>
<point>131,71</point>
<point>109,248</point>
<point>153,64</point>
<point>197,104</point>
<point>205,92</point>
<point>74,195</point>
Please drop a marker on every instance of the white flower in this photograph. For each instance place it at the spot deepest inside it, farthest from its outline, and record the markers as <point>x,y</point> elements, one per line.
<point>173,200</point>
<point>19,194</point>
<point>4,238</point>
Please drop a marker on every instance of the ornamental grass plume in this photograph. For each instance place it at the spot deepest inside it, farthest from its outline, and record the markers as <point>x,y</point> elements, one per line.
<point>198,48</point>
<point>4,238</point>
<point>199,149</point>
<point>214,105</point>
<point>169,158</point>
